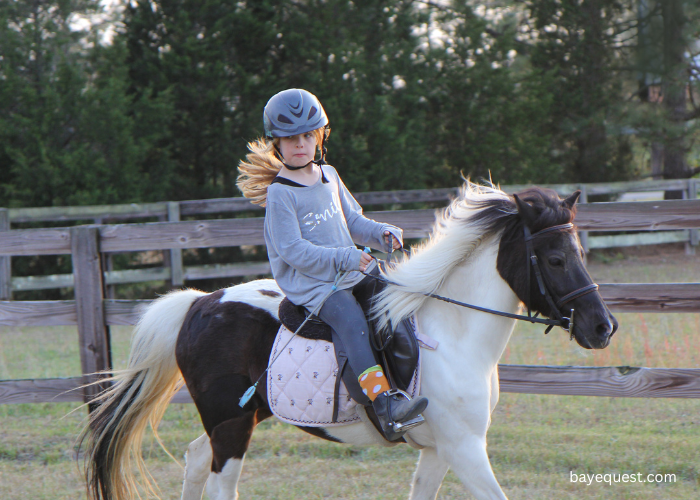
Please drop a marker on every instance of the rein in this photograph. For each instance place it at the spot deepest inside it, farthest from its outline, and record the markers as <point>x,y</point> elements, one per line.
<point>561,321</point>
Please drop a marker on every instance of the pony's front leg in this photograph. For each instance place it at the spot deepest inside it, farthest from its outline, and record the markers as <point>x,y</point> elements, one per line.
<point>428,477</point>
<point>197,468</point>
<point>468,458</point>
<point>459,434</point>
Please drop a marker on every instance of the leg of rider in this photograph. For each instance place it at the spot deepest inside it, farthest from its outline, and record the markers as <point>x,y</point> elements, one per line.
<point>342,312</point>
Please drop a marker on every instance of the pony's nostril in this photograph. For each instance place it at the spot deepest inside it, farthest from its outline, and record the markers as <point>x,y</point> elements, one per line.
<point>604,329</point>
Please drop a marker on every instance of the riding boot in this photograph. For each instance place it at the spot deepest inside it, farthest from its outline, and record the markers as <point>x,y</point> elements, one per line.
<point>396,412</point>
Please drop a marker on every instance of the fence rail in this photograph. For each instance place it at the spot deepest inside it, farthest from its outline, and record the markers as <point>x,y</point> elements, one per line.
<point>623,381</point>
<point>190,236</point>
<point>665,218</point>
<point>620,297</point>
<point>233,205</point>
<point>93,312</point>
<point>640,216</point>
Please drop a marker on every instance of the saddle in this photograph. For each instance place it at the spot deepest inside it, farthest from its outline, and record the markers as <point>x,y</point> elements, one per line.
<point>396,351</point>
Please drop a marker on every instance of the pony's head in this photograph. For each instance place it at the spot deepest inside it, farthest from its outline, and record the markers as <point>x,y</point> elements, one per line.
<point>483,213</point>
<point>559,256</point>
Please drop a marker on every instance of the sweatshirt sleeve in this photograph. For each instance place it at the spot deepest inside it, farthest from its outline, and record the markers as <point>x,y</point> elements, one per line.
<point>312,260</point>
<point>364,231</point>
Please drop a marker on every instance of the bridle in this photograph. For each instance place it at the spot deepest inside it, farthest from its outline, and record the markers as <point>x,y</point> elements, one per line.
<point>544,289</point>
<point>560,320</point>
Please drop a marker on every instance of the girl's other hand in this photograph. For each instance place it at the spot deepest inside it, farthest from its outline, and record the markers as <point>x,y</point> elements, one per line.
<point>365,259</point>
<point>391,241</point>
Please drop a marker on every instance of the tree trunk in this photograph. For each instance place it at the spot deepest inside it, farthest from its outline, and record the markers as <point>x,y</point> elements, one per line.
<point>592,140</point>
<point>657,160</point>
<point>674,91</point>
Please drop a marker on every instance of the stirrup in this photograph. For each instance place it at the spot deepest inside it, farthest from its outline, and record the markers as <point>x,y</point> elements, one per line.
<point>406,426</point>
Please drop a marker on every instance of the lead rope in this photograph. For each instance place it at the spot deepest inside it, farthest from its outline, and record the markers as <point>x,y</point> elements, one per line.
<point>251,390</point>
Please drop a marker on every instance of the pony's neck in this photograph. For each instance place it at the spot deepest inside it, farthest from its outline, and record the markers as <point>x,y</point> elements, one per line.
<point>480,336</point>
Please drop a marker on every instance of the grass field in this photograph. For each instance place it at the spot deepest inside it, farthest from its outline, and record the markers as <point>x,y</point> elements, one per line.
<point>535,442</point>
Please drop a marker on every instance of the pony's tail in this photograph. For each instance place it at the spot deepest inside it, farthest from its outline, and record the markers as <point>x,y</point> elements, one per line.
<point>139,396</point>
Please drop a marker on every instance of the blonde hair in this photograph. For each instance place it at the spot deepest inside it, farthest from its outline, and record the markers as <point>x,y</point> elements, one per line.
<point>262,165</point>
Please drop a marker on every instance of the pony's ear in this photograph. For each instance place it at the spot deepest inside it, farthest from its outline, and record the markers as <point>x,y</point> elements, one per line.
<point>526,211</point>
<point>571,200</point>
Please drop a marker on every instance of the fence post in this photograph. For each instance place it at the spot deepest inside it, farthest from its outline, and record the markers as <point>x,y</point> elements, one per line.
<point>5,262</point>
<point>93,333</point>
<point>583,235</point>
<point>694,233</point>
<point>176,274</point>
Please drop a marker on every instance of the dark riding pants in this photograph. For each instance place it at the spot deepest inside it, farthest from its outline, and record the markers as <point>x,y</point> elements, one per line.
<point>345,315</point>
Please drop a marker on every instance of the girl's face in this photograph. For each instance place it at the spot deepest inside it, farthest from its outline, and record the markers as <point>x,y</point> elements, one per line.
<point>298,150</point>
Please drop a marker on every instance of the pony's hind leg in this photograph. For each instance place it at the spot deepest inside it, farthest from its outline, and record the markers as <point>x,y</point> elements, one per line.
<point>198,461</point>
<point>428,477</point>
<point>229,443</point>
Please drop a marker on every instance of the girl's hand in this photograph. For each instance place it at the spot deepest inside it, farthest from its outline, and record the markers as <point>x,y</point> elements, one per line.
<point>391,240</point>
<point>365,259</point>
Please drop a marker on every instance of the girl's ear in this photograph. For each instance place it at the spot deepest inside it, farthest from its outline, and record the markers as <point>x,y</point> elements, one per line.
<point>571,200</point>
<point>526,211</point>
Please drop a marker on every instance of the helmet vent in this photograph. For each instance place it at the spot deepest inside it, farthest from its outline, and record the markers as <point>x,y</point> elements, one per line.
<point>284,119</point>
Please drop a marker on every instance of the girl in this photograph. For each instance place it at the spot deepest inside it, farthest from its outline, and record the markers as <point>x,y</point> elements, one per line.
<point>312,223</point>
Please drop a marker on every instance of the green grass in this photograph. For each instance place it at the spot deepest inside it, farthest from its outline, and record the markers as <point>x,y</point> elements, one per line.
<point>535,441</point>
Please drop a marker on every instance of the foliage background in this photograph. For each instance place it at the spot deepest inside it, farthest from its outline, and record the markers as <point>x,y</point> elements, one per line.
<point>156,100</point>
<point>114,101</point>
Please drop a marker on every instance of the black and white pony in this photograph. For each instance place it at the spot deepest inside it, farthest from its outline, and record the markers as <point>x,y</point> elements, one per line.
<point>220,343</point>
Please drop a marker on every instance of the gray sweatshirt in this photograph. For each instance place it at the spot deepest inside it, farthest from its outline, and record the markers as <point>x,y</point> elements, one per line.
<point>310,233</point>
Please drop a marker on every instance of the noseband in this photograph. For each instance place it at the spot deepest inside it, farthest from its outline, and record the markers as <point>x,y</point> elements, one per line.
<point>544,290</point>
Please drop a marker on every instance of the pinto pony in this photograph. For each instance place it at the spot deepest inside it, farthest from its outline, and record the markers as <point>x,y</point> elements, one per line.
<point>219,343</point>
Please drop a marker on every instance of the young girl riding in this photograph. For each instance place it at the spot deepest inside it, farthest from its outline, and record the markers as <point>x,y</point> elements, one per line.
<point>312,224</point>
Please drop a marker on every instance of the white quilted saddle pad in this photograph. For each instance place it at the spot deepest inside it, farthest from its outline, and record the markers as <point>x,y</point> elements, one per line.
<point>301,383</point>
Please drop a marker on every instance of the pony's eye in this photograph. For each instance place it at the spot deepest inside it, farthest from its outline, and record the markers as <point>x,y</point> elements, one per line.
<point>555,261</point>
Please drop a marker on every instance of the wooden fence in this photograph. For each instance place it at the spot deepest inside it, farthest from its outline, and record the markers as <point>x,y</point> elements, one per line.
<point>176,274</point>
<point>92,312</point>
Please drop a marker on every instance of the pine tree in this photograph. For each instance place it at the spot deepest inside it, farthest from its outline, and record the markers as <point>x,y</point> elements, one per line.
<point>67,129</point>
<point>573,55</point>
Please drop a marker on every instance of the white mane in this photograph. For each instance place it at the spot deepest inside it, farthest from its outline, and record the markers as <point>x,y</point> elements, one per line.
<point>452,240</point>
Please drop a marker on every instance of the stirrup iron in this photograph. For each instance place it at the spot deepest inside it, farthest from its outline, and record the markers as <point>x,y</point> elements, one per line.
<point>406,426</point>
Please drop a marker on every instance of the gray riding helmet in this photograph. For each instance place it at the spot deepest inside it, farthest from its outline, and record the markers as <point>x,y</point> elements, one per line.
<point>292,112</point>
